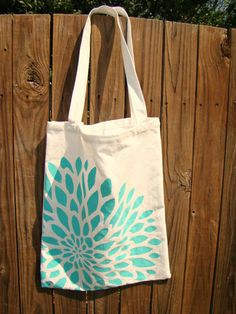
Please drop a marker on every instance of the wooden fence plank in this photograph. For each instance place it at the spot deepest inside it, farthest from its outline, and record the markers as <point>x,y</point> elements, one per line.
<point>106,302</point>
<point>107,92</point>
<point>224,296</point>
<point>67,30</point>
<point>177,136</point>
<point>148,40</point>
<point>147,37</point>
<point>9,285</point>
<point>107,98</point>
<point>209,147</point>
<point>31,42</point>
<point>195,216</point>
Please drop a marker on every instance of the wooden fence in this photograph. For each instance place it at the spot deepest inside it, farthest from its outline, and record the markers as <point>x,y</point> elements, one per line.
<point>188,76</point>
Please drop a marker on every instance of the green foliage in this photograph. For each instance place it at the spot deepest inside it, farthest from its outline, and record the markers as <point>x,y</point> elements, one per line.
<point>231,13</point>
<point>211,12</point>
<point>37,6</point>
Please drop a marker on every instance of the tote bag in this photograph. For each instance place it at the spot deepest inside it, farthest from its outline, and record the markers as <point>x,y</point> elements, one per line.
<point>103,219</point>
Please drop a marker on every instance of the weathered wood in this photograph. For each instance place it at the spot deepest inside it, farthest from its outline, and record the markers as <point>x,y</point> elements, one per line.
<point>200,208</point>
<point>31,43</point>
<point>147,38</point>
<point>136,299</point>
<point>9,286</point>
<point>224,297</point>
<point>107,94</point>
<point>67,31</point>
<point>177,130</point>
<point>107,99</point>
<point>148,42</point>
<point>154,300</point>
<point>66,301</point>
<point>208,163</point>
<point>107,301</point>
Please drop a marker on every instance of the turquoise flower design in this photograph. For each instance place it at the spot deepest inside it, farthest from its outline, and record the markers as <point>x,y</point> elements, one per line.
<point>92,239</point>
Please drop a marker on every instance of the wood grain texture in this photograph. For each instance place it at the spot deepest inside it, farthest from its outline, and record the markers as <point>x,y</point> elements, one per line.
<point>107,93</point>
<point>9,285</point>
<point>136,299</point>
<point>208,163</point>
<point>196,101</point>
<point>106,301</point>
<point>148,43</point>
<point>67,31</point>
<point>31,43</point>
<point>66,301</point>
<point>154,300</point>
<point>147,37</point>
<point>178,109</point>
<point>107,101</point>
<point>224,296</point>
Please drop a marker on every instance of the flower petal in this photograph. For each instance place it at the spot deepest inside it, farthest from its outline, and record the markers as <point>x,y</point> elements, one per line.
<point>91,178</point>
<point>76,225</point>
<point>106,187</point>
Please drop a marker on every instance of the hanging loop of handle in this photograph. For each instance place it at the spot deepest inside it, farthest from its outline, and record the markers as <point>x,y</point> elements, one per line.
<point>136,99</point>
<point>122,12</point>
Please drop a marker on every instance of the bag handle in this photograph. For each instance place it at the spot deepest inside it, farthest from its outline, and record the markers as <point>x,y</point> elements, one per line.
<point>136,99</point>
<point>122,12</point>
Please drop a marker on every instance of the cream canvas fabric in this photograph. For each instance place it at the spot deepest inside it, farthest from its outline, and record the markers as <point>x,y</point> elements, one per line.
<point>103,210</point>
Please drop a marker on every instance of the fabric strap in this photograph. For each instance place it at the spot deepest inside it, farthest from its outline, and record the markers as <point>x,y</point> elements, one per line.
<point>136,99</point>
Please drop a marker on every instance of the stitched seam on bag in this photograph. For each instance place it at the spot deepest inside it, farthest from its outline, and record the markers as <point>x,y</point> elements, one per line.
<point>102,138</point>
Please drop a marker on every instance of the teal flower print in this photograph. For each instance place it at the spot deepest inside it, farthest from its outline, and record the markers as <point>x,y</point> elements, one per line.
<point>92,239</point>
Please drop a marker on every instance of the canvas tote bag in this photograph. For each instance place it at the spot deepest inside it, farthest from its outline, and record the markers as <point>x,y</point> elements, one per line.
<point>103,219</point>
